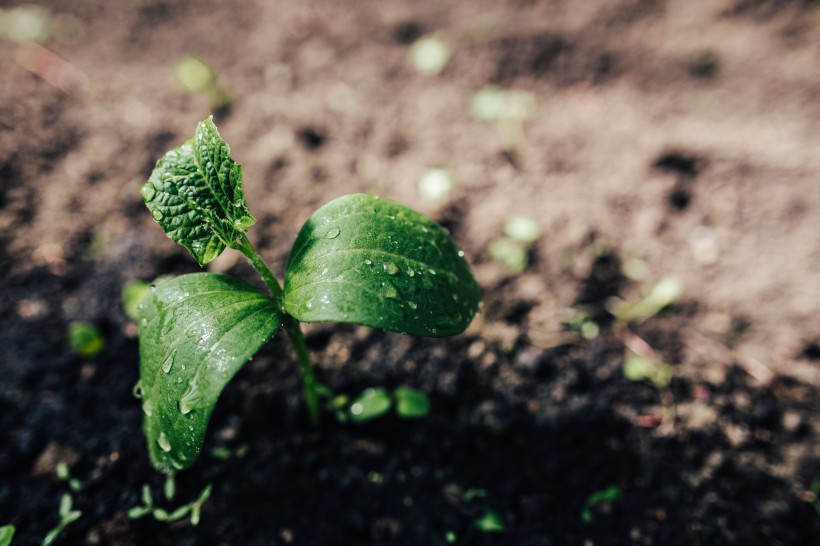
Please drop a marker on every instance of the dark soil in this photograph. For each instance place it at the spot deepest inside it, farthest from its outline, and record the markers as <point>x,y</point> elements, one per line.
<point>683,134</point>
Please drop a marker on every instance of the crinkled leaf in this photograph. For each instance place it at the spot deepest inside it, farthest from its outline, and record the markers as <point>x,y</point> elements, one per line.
<point>365,260</point>
<point>196,331</point>
<point>195,193</point>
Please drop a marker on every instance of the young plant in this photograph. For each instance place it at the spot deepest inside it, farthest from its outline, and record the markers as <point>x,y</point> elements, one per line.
<point>359,259</point>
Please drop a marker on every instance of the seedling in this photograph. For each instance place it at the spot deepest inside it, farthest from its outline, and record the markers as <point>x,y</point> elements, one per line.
<point>507,110</point>
<point>663,294</point>
<point>64,474</point>
<point>85,339</point>
<point>67,516</point>
<point>513,250</point>
<point>192,509</point>
<point>430,55</point>
<point>359,259</point>
<point>376,402</point>
<point>490,522</point>
<point>602,498</point>
<point>197,77</point>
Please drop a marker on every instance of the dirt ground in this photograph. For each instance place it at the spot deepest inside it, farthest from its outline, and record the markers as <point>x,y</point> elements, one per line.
<point>679,136</point>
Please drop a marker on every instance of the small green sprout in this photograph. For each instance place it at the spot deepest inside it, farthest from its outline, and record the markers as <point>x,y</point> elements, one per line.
<point>197,77</point>
<point>507,110</point>
<point>85,340</point>
<point>359,259</point>
<point>435,185</point>
<point>411,403</point>
<point>64,474</point>
<point>67,516</point>
<point>6,534</point>
<point>490,522</point>
<point>193,508</point>
<point>513,250</point>
<point>430,55</point>
<point>369,405</point>
<point>604,497</point>
<point>663,294</point>
<point>640,368</point>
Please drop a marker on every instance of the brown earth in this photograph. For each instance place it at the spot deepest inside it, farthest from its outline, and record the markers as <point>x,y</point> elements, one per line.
<point>682,134</point>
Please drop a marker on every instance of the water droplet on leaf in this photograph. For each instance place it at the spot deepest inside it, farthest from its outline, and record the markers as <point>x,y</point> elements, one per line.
<point>389,291</point>
<point>137,390</point>
<point>156,214</point>
<point>368,262</point>
<point>168,363</point>
<point>412,304</point>
<point>333,233</point>
<point>390,268</point>
<point>190,398</point>
<point>411,273</point>
<point>163,443</point>
<point>148,408</point>
<point>148,191</point>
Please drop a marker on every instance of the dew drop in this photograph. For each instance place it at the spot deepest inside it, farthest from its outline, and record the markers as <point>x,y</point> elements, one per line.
<point>390,268</point>
<point>168,363</point>
<point>190,399</point>
<point>368,262</point>
<point>460,253</point>
<point>309,305</point>
<point>432,271</point>
<point>332,233</point>
<point>412,305</point>
<point>148,408</point>
<point>389,291</point>
<point>148,191</point>
<point>156,214</point>
<point>163,443</point>
<point>137,390</point>
<point>411,273</point>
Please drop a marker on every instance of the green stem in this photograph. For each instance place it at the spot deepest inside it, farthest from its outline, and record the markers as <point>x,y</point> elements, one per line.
<point>297,338</point>
<point>290,325</point>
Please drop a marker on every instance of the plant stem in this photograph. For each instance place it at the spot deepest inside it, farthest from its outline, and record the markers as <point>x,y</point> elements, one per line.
<point>290,325</point>
<point>247,249</point>
<point>297,338</point>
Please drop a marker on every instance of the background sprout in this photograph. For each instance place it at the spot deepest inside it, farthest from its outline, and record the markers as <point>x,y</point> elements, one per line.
<point>430,55</point>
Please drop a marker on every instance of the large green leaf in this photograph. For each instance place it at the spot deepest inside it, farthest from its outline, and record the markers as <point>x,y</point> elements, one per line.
<point>196,331</point>
<point>366,260</point>
<point>195,193</point>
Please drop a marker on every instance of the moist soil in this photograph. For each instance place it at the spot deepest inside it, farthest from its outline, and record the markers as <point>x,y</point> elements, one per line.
<point>671,138</point>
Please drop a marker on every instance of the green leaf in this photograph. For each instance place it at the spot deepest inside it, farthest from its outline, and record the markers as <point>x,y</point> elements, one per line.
<point>6,534</point>
<point>490,522</point>
<point>195,193</point>
<point>372,403</point>
<point>196,332</point>
<point>85,339</point>
<point>365,260</point>
<point>411,403</point>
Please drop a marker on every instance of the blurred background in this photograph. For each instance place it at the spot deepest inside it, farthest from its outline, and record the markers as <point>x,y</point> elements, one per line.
<point>635,183</point>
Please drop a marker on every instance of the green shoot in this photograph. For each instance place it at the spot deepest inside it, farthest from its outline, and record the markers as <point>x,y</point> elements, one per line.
<point>64,474</point>
<point>663,294</point>
<point>359,259</point>
<point>430,55</point>
<point>85,340</point>
<point>192,509</point>
<point>490,522</point>
<point>513,250</point>
<point>67,516</point>
<point>194,76</point>
<point>599,499</point>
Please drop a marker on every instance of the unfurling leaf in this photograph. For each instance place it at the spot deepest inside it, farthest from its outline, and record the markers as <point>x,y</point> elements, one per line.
<point>195,193</point>
<point>196,332</point>
<point>365,260</point>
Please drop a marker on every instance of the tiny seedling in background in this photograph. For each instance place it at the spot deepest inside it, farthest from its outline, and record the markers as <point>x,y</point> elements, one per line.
<point>6,534</point>
<point>67,516</point>
<point>192,509</point>
<point>197,77</point>
<point>435,185</point>
<point>507,110</point>
<point>376,402</point>
<point>513,249</point>
<point>85,340</point>
<point>599,499</point>
<point>640,368</point>
<point>490,522</point>
<point>359,259</point>
<point>133,292</point>
<point>663,294</point>
<point>430,55</point>
<point>64,474</point>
